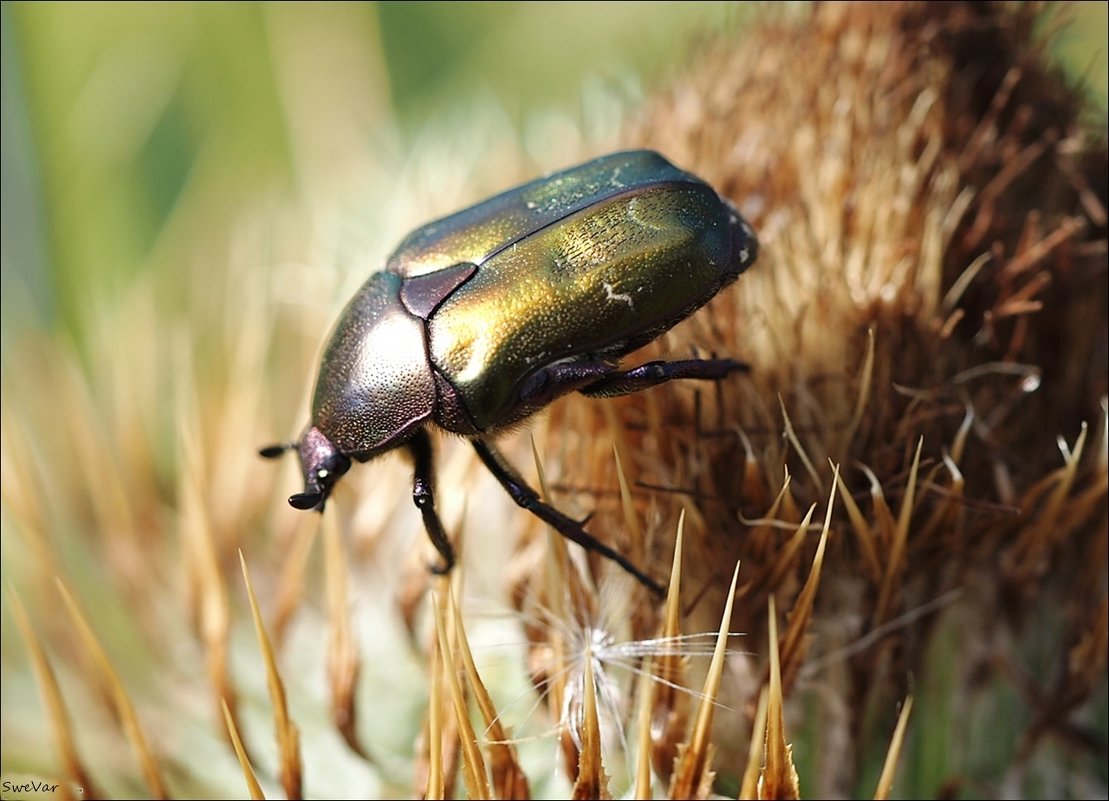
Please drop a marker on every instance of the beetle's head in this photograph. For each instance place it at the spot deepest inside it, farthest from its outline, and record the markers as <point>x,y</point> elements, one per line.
<point>322,463</point>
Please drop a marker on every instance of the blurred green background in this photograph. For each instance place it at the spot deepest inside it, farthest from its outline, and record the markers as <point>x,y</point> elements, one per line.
<point>133,133</point>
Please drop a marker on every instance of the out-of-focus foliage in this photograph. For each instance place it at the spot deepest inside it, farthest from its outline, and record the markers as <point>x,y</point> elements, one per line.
<point>134,132</point>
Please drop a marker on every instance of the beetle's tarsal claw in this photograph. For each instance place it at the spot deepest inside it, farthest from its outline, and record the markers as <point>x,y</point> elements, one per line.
<point>306,500</point>
<point>441,568</point>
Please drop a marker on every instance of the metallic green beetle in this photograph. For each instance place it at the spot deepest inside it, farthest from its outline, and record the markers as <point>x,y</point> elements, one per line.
<point>486,316</point>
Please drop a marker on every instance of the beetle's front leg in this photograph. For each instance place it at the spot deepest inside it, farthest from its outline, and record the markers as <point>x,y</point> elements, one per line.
<point>654,373</point>
<point>527,498</point>
<point>423,496</point>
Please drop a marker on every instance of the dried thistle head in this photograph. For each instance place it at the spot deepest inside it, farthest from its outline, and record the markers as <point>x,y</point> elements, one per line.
<point>928,317</point>
<point>928,313</point>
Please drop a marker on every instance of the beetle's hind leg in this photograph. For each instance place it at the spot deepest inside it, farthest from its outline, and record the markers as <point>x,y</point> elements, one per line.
<point>423,496</point>
<point>527,498</point>
<point>654,373</point>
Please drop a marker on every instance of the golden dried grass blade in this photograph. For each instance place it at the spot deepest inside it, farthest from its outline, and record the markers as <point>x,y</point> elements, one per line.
<point>791,435</point>
<point>789,511</point>
<point>862,399</point>
<point>636,542</point>
<point>693,775</point>
<point>509,780</point>
<point>566,600</point>
<point>753,487</point>
<point>591,781</point>
<point>121,701</point>
<point>290,583</point>
<point>207,591</point>
<point>1103,451</point>
<point>436,787</point>
<point>959,441</point>
<point>1086,503</point>
<point>672,625</point>
<point>1039,537</point>
<point>884,524</point>
<point>669,706</point>
<point>749,786</point>
<point>763,540</point>
<point>627,506</point>
<point>943,519</point>
<point>473,764</point>
<point>673,612</point>
<point>779,776</point>
<point>793,644</point>
<point>783,562</point>
<point>251,780</point>
<point>889,768</point>
<point>288,738</point>
<point>21,494</point>
<point>343,659</point>
<point>895,564</point>
<point>617,431</point>
<point>99,461</point>
<point>1087,659</point>
<point>966,278</point>
<point>60,724</point>
<point>559,569</point>
<point>646,693</point>
<point>863,534</point>
<point>449,742</point>
<point>566,588</point>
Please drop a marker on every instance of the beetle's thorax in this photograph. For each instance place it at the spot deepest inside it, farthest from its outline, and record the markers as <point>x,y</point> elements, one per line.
<point>375,384</point>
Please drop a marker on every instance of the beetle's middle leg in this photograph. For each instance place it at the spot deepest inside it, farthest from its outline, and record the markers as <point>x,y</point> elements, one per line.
<point>423,496</point>
<point>654,373</point>
<point>527,498</point>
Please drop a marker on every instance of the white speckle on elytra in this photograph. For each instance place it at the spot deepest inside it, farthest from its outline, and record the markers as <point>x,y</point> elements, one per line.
<point>744,254</point>
<point>610,295</point>
<point>633,215</point>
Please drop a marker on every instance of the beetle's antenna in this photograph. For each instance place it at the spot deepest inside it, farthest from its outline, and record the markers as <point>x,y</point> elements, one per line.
<point>277,450</point>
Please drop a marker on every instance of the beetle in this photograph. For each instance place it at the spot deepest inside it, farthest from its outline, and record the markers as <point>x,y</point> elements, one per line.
<point>486,316</point>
